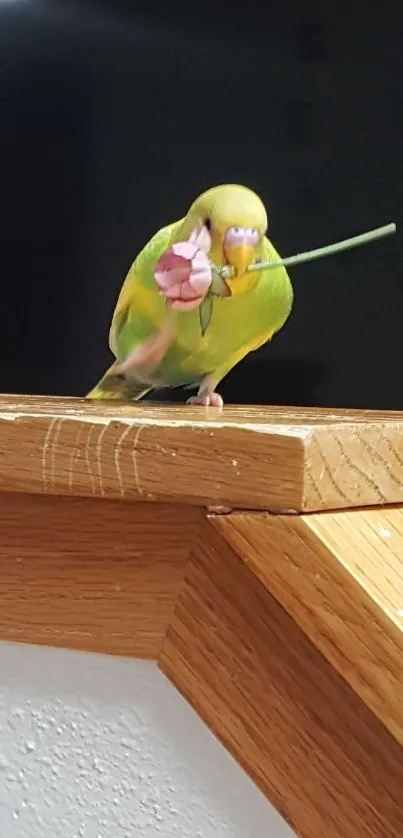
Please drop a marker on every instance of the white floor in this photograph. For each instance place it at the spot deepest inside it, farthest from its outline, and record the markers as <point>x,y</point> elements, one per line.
<point>100,747</point>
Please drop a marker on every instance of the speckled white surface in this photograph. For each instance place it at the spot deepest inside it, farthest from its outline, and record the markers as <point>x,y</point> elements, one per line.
<point>100,747</point>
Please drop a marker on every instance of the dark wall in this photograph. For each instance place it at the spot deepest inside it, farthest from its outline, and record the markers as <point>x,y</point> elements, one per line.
<point>115,115</point>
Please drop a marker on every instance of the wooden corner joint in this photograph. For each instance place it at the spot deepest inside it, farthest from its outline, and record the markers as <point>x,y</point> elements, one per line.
<point>286,638</point>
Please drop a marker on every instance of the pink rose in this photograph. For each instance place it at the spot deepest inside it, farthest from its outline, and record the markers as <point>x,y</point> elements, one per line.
<point>183,272</point>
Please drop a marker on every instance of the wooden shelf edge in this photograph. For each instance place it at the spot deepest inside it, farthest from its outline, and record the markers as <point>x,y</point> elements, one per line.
<point>310,741</point>
<point>287,460</point>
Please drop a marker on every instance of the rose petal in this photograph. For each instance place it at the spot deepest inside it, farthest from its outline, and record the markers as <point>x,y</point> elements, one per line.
<point>201,276</point>
<point>174,291</point>
<point>184,305</point>
<point>200,260</point>
<point>184,249</point>
<point>200,283</point>
<point>168,260</point>
<point>189,293</point>
<point>167,278</point>
<point>201,238</point>
<point>183,274</point>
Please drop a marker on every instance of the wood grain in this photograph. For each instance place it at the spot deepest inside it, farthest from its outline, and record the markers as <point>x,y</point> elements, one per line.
<point>301,732</point>
<point>91,574</point>
<point>279,459</point>
<point>340,577</point>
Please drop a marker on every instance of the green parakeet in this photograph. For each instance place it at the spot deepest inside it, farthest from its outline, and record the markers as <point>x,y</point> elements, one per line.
<point>176,322</point>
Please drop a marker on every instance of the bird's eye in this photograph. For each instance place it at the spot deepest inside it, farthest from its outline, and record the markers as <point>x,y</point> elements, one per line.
<point>252,234</point>
<point>207,224</point>
<point>235,232</point>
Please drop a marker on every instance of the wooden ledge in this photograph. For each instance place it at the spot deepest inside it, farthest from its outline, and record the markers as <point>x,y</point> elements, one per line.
<point>277,459</point>
<point>283,631</point>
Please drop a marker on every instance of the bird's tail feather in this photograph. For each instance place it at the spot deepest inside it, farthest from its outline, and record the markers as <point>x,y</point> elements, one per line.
<point>118,387</point>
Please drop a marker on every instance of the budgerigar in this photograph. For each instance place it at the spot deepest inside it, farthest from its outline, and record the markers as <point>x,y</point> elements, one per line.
<point>157,334</point>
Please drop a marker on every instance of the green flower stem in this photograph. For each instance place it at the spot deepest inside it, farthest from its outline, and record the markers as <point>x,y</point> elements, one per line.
<point>311,255</point>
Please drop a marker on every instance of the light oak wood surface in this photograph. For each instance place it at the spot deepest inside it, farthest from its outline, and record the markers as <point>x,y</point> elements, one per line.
<point>280,620</point>
<point>279,459</point>
<point>96,575</point>
<point>314,747</point>
<point>340,577</point>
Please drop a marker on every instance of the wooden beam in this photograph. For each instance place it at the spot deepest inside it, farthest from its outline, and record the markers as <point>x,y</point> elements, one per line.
<point>340,577</point>
<point>95,575</point>
<point>305,736</point>
<point>279,459</point>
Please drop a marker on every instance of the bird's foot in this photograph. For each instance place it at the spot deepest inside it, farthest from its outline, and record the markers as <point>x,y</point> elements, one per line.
<point>148,354</point>
<point>207,400</point>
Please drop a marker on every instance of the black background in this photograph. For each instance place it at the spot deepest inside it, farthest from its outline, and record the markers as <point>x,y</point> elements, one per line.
<point>115,115</point>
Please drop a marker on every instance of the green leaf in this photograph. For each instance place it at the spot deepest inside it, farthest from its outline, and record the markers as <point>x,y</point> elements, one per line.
<point>219,287</point>
<point>206,313</point>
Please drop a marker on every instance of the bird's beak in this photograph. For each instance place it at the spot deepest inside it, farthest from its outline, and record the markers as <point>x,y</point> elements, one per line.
<point>239,256</point>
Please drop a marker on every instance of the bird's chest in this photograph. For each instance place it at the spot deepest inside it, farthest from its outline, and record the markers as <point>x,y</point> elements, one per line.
<point>234,326</point>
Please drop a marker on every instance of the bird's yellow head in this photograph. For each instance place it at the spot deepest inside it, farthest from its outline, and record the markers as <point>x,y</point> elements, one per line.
<point>236,221</point>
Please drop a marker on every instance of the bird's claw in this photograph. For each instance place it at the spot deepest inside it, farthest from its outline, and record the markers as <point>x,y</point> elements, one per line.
<point>207,400</point>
